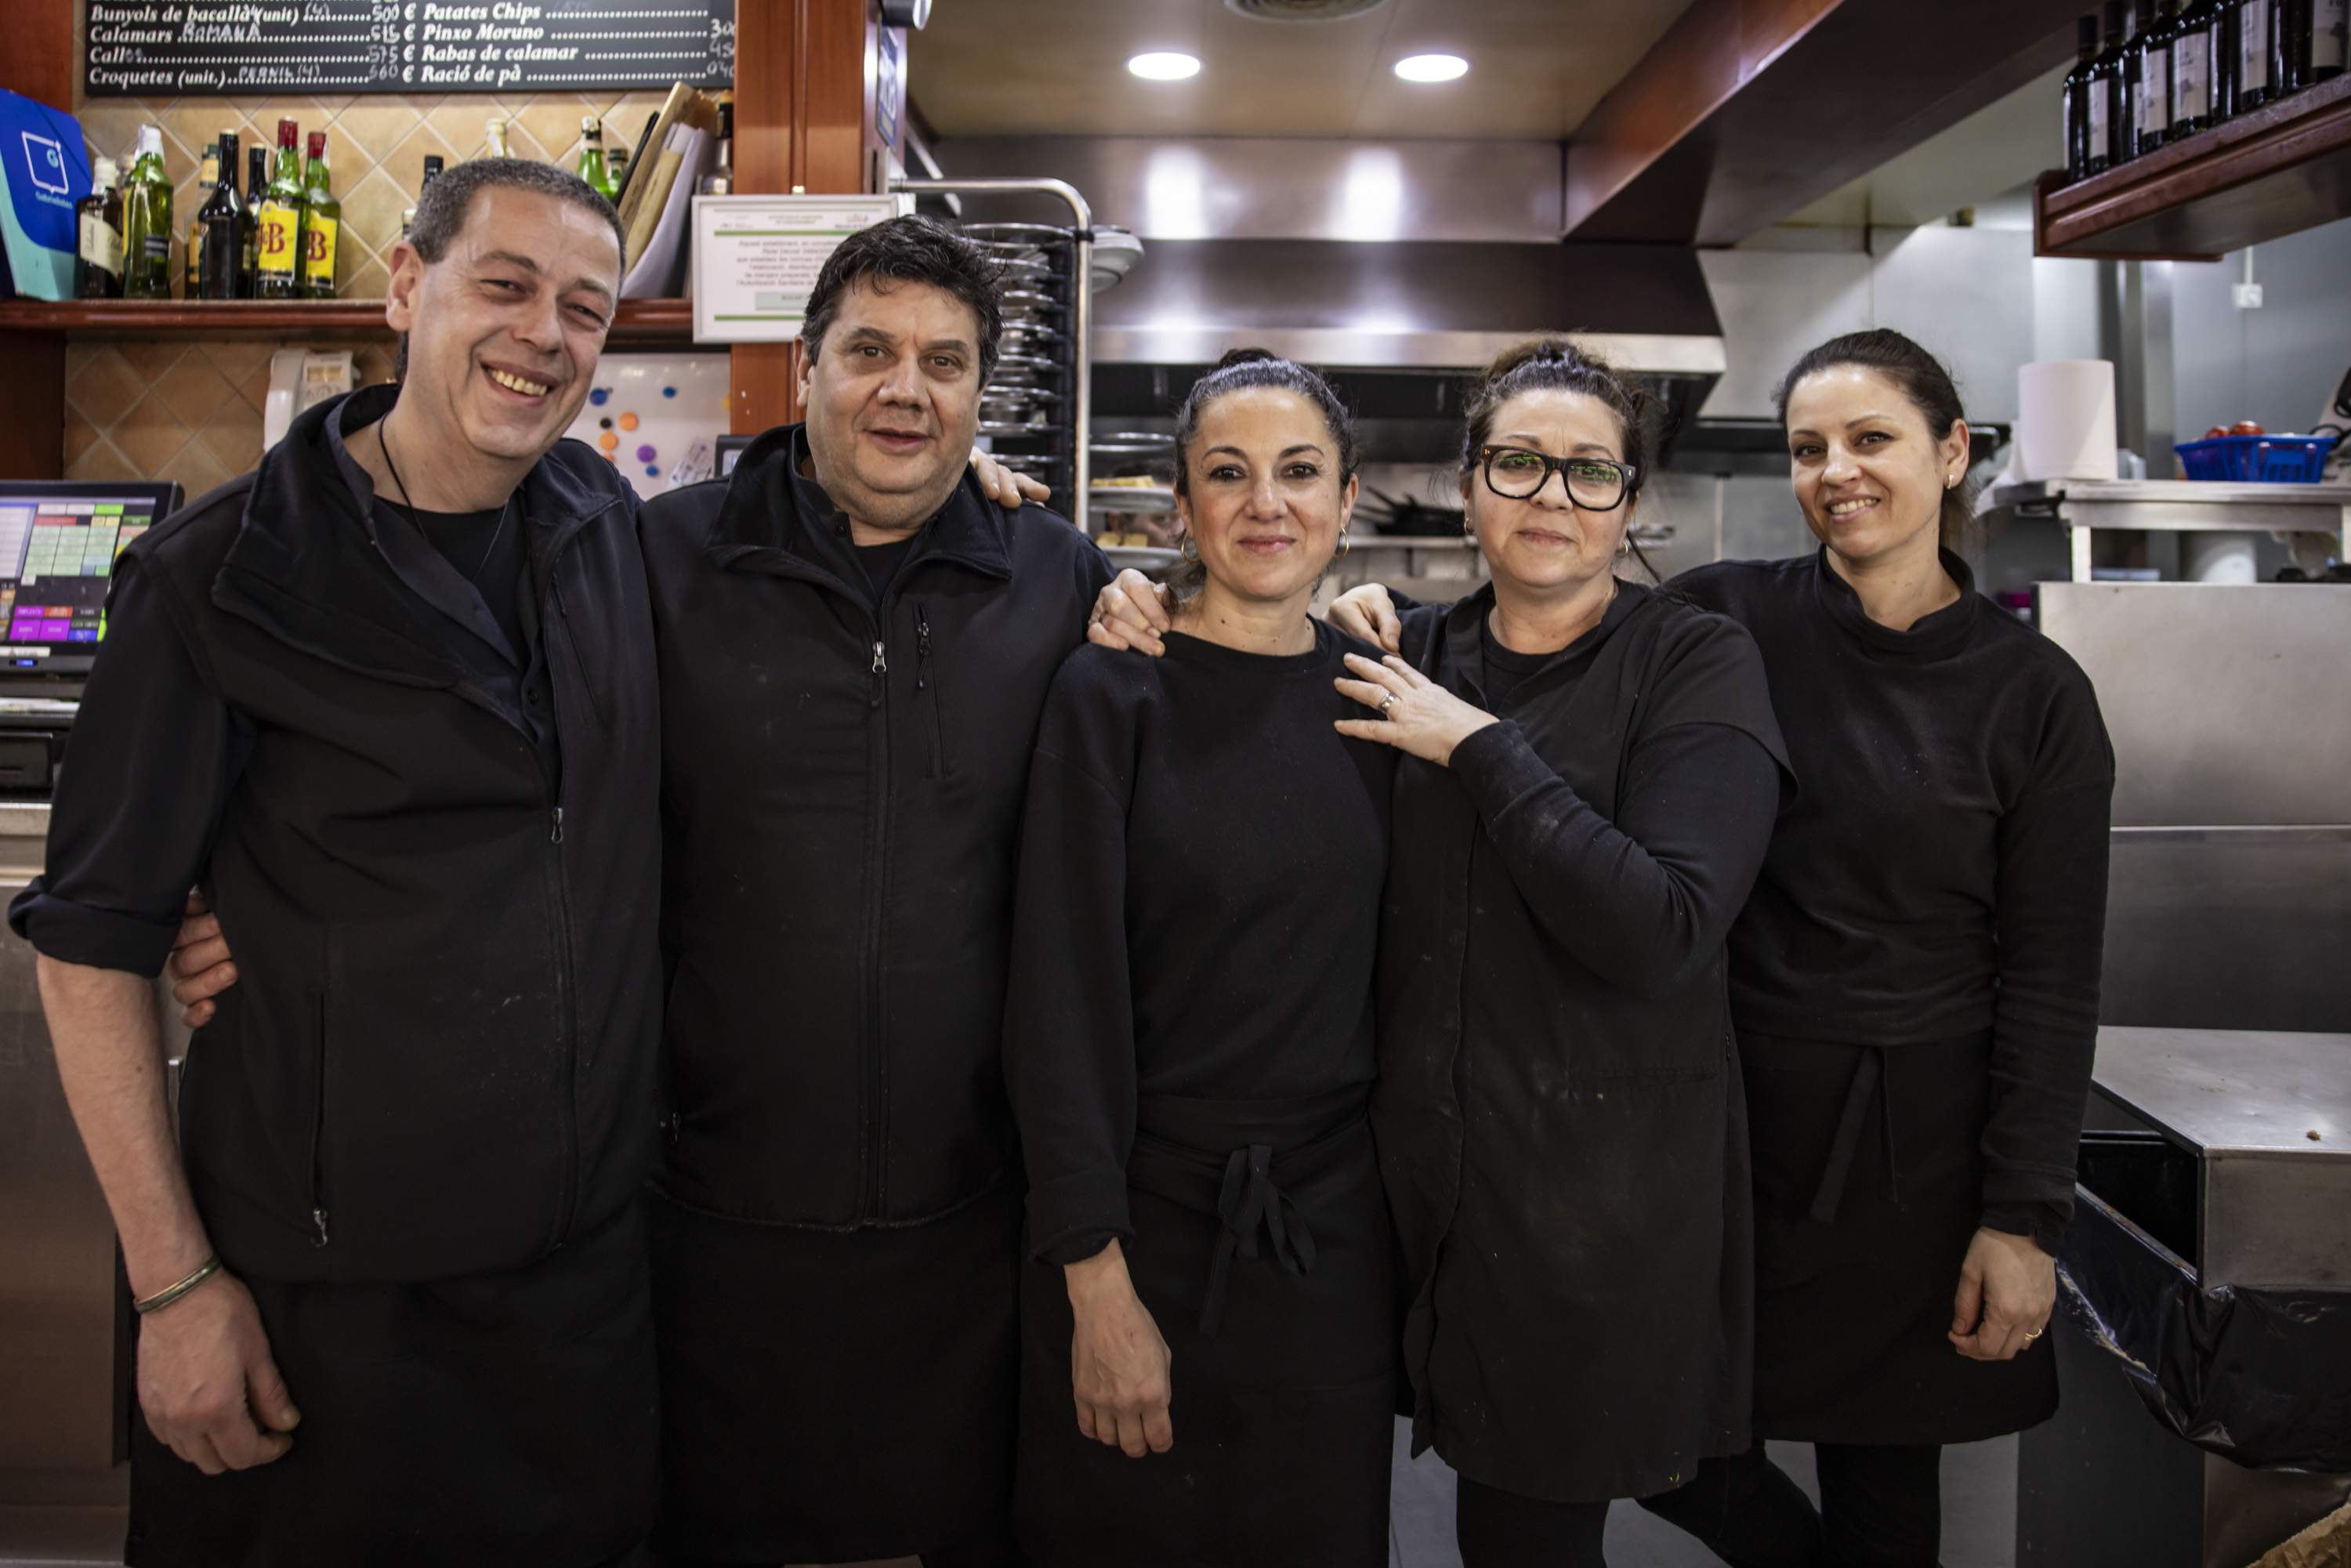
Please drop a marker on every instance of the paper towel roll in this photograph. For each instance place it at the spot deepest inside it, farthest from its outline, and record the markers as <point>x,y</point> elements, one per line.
<point>2066,420</point>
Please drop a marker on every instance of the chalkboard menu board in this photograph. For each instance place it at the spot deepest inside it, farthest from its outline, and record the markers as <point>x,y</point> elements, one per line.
<point>163,49</point>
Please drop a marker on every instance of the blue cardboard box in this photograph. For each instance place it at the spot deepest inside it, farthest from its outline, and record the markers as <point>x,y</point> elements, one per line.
<point>43,173</point>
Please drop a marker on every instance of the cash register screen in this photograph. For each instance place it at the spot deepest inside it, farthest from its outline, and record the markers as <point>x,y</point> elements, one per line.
<point>58,545</point>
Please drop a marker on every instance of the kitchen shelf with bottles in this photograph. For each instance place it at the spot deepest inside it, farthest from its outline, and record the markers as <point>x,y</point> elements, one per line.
<point>2264,174</point>
<point>639,322</point>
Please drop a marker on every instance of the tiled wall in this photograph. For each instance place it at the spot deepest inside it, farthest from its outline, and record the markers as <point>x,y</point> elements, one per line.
<point>376,148</point>
<point>178,410</point>
<point>191,412</point>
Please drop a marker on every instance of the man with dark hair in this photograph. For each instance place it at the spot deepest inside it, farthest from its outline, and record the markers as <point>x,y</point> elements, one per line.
<point>391,701</point>
<point>855,646</point>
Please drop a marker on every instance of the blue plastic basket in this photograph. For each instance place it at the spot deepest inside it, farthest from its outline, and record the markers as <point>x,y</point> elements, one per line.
<point>2257,459</point>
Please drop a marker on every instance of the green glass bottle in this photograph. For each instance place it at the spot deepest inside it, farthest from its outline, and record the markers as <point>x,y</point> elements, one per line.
<point>321,222</point>
<point>277,239</point>
<point>147,222</point>
<point>592,168</point>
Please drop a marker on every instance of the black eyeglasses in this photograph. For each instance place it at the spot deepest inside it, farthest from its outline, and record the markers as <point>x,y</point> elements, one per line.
<point>1595,484</point>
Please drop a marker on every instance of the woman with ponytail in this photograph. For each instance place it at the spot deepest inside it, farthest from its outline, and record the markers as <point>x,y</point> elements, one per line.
<point>1208,1310</point>
<point>1915,980</point>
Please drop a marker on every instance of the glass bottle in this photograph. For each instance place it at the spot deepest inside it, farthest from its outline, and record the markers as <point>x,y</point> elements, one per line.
<point>2330,39</point>
<point>2150,52</point>
<point>592,170</point>
<point>433,166</point>
<point>2110,118</point>
<point>720,181</point>
<point>495,136</point>
<point>2258,34</point>
<point>616,159</point>
<point>277,244</point>
<point>192,252</point>
<point>147,222</point>
<point>2193,80</point>
<point>98,236</point>
<point>321,222</point>
<point>256,184</point>
<point>216,239</point>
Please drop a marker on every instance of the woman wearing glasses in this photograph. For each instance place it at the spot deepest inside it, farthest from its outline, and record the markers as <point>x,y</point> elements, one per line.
<point>1592,775</point>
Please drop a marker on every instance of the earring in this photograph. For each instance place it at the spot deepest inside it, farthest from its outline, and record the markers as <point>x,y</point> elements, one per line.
<point>1189,550</point>
<point>1951,482</point>
<point>1624,545</point>
<point>1342,542</point>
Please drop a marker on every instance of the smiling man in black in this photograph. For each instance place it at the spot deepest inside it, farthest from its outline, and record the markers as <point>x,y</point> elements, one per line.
<point>390,700</point>
<point>855,644</point>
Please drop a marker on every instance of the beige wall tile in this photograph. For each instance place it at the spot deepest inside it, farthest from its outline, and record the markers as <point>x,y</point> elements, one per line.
<point>196,470</point>
<point>553,124</point>
<point>255,387</point>
<point>237,361</point>
<point>150,434</point>
<point>103,464</point>
<point>405,164</point>
<point>149,361</point>
<point>193,389</point>
<point>106,387</point>
<point>377,124</point>
<point>372,209</point>
<point>369,279</point>
<point>80,436</point>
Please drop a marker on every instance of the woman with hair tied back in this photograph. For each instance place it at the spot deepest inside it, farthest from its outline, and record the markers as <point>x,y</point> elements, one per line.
<point>1591,775</point>
<point>1189,1043</point>
<point>1915,980</point>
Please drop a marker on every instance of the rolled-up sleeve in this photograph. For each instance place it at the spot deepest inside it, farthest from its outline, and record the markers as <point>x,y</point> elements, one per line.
<point>148,769</point>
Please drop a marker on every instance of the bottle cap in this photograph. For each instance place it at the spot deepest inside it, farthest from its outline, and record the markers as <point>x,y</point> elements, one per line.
<point>103,173</point>
<point>433,165</point>
<point>590,126</point>
<point>287,134</point>
<point>318,144</point>
<point>151,140</point>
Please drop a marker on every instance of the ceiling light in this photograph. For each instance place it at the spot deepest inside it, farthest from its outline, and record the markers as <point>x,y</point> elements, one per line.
<point>1432,67</point>
<point>1164,67</point>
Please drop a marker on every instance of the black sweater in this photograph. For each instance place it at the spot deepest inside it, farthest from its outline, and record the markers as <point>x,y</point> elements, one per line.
<point>1197,909</point>
<point>1943,871</point>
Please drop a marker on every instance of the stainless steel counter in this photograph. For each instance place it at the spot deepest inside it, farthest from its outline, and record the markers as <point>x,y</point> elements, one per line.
<point>61,1406</point>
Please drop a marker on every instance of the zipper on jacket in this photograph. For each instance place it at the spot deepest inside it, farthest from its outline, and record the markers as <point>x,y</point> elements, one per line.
<point>924,681</point>
<point>319,1128</point>
<point>555,828</point>
<point>876,1075</point>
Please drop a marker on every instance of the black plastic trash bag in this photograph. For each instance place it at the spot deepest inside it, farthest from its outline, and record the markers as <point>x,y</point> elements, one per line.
<point>2261,1376</point>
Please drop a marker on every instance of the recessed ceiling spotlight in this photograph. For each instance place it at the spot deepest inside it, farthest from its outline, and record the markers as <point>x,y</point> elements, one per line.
<point>1432,67</point>
<point>1164,67</point>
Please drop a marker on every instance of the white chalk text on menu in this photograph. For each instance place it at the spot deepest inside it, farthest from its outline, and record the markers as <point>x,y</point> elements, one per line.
<point>163,49</point>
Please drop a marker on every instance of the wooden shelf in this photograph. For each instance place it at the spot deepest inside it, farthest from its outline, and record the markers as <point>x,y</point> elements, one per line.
<point>641,322</point>
<point>2283,167</point>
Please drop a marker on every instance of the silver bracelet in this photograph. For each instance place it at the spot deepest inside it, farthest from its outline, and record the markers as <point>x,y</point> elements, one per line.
<point>169,1294</point>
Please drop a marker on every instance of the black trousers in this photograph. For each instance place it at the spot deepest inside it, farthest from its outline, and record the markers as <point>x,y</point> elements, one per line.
<point>1881,1507</point>
<point>1498,1528</point>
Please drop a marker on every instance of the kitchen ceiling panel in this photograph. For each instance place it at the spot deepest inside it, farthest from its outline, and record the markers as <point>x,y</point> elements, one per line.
<point>1055,67</point>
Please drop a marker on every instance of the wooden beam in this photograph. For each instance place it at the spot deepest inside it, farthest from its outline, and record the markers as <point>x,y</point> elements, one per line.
<point>1750,110</point>
<point>39,63</point>
<point>803,110</point>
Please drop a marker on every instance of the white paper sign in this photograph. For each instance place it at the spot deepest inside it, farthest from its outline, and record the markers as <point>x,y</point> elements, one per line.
<point>756,259</point>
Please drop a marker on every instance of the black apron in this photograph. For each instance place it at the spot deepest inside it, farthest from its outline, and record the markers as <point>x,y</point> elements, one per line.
<point>1263,1248</point>
<point>830,1397</point>
<point>1868,1190</point>
<point>494,1420</point>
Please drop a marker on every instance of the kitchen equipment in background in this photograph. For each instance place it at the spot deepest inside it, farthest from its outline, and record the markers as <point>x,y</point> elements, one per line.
<point>1027,410</point>
<point>657,417</point>
<point>2065,421</point>
<point>1131,500</point>
<point>2257,459</point>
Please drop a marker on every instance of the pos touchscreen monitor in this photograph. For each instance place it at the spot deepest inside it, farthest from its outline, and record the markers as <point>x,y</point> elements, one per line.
<point>58,545</point>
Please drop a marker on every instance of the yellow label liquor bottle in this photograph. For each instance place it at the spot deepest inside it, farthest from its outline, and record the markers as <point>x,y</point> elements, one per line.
<point>278,226</point>
<point>321,221</point>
